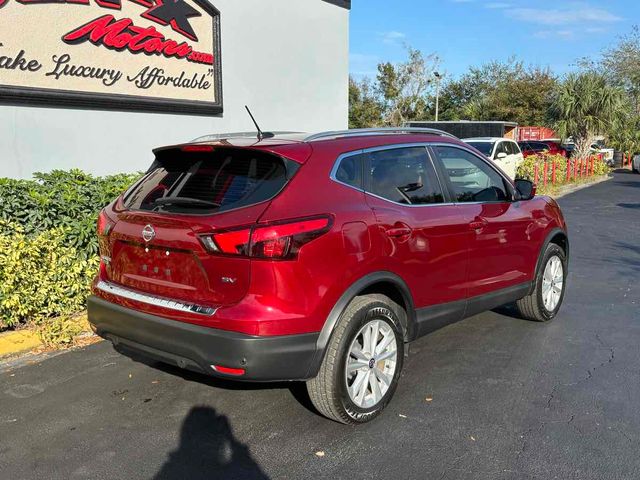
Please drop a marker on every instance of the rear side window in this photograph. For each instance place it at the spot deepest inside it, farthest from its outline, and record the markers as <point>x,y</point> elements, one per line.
<point>404,175</point>
<point>208,182</point>
<point>350,170</point>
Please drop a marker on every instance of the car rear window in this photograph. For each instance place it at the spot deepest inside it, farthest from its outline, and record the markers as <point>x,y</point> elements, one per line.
<point>208,182</point>
<point>538,146</point>
<point>483,147</point>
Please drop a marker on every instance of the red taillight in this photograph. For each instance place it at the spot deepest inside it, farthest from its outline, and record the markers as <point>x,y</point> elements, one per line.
<point>234,242</point>
<point>105,224</point>
<point>197,148</point>
<point>276,241</point>
<point>236,372</point>
<point>285,239</point>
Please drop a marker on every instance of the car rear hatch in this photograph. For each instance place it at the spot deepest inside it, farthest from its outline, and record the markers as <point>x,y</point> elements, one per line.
<point>156,243</point>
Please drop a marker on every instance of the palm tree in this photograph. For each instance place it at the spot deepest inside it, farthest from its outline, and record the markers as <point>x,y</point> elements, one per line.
<point>584,106</point>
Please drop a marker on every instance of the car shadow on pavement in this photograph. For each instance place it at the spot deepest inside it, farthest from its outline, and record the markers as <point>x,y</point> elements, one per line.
<point>297,389</point>
<point>509,310</point>
<point>634,206</point>
<point>209,450</point>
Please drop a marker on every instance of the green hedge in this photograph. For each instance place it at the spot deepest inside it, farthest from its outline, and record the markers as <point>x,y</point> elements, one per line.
<point>48,244</point>
<point>527,171</point>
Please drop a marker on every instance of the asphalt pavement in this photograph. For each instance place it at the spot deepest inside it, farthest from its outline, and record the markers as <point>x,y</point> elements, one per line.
<point>491,397</point>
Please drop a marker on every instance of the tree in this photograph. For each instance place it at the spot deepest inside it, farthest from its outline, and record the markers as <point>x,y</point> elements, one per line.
<point>508,91</point>
<point>404,87</point>
<point>621,64</point>
<point>365,110</point>
<point>400,93</point>
<point>585,105</point>
<point>624,134</point>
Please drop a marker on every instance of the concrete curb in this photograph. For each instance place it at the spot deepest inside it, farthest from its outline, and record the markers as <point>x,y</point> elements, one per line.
<point>568,189</point>
<point>12,343</point>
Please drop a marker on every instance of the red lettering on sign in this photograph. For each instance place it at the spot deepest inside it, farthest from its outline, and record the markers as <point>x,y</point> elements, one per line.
<point>124,35</point>
<point>30,2</point>
<point>114,4</point>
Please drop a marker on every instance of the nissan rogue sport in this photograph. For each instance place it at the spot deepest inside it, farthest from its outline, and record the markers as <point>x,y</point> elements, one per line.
<point>320,257</point>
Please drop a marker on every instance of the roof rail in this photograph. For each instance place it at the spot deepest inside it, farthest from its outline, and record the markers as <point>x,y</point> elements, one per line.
<point>360,132</point>
<point>223,136</point>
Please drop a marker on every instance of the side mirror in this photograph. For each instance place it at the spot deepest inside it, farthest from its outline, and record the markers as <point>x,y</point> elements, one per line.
<point>501,155</point>
<point>526,189</point>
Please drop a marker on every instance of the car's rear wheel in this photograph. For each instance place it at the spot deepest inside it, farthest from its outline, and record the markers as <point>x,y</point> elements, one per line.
<point>544,302</point>
<point>359,373</point>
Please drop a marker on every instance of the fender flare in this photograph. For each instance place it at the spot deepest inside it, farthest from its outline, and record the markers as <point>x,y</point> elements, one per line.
<point>555,231</point>
<point>345,299</point>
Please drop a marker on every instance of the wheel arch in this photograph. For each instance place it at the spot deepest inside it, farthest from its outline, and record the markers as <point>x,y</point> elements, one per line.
<point>560,238</point>
<point>385,283</point>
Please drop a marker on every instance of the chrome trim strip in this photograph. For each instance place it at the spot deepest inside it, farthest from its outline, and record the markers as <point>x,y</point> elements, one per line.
<point>231,135</point>
<point>360,132</point>
<point>153,300</point>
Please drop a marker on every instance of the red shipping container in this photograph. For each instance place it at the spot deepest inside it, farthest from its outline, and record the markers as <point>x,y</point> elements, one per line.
<point>535,133</point>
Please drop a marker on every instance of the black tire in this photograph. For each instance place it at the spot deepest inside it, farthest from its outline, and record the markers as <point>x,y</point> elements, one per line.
<point>328,390</point>
<point>532,306</point>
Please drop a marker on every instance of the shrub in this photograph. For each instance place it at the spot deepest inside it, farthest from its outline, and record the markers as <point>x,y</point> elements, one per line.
<point>528,167</point>
<point>61,199</point>
<point>62,331</point>
<point>48,246</point>
<point>40,276</point>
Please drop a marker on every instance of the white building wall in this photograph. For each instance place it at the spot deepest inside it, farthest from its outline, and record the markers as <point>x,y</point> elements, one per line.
<point>286,59</point>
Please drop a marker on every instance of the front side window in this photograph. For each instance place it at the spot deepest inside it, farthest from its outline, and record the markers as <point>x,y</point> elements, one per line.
<point>501,149</point>
<point>509,148</point>
<point>471,179</point>
<point>404,175</point>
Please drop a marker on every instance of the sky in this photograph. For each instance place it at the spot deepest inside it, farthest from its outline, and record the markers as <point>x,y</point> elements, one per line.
<point>464,33</point>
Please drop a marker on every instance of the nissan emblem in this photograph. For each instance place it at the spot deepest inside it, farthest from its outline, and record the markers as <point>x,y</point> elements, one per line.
<point>148,233</point>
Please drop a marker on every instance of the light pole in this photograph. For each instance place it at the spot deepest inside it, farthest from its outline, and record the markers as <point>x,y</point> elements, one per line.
<point>438,78</point>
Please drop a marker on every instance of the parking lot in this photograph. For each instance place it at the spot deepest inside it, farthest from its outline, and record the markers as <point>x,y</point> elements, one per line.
<point>491,397</point>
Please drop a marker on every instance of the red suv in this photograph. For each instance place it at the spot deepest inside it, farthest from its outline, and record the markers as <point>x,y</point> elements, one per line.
<point>536,147</point>
<point>318,258</point>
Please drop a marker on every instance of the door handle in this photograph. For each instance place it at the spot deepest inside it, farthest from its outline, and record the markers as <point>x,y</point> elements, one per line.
<point>478,223</point>
<point>398,232</point>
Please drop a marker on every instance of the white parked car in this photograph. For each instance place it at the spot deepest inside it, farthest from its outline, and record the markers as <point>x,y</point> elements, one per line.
<point>635,166</point>
<point>607,153</point>
<point>504,152</point>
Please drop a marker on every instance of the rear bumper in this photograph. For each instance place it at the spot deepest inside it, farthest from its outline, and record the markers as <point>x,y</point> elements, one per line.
<point>198,348</point>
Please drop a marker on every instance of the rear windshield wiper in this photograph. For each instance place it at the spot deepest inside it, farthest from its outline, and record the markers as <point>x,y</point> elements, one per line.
<point>196,202</point>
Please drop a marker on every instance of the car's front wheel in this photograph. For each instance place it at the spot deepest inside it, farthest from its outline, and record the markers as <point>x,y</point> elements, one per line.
<point>544,302</point>
<point>362,364</point>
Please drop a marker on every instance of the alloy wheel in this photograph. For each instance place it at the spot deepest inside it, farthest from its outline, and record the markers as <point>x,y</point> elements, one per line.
<point>552,283</point>
<point>371,363</point>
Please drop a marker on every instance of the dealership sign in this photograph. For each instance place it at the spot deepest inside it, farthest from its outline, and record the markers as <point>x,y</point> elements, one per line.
<point>145,55</point>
